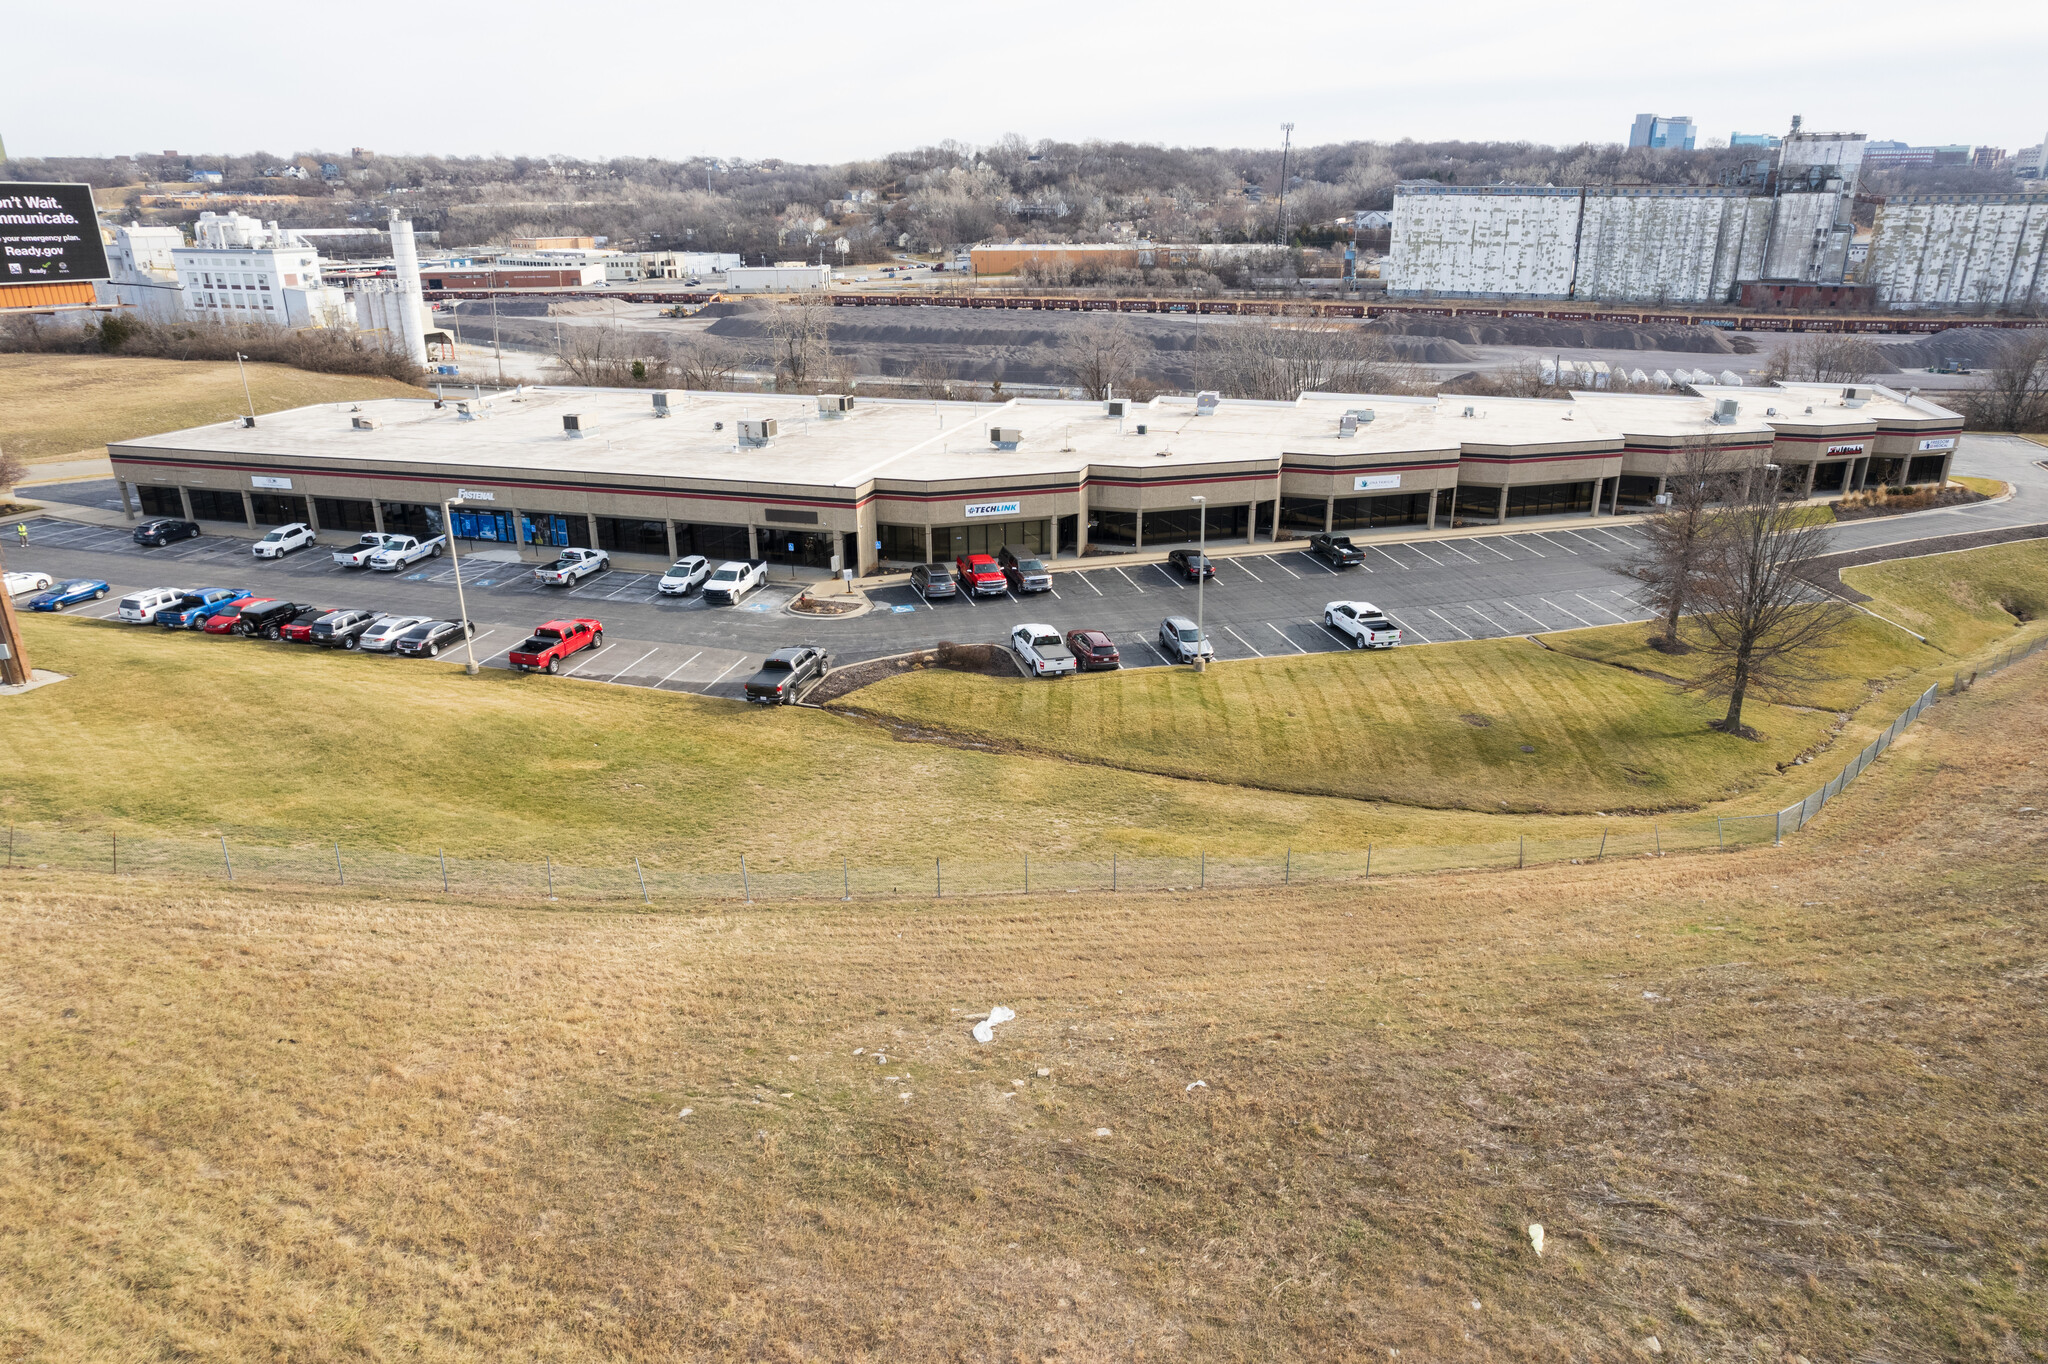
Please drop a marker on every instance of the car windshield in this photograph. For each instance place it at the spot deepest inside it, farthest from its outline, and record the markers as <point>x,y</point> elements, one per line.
<point>1190,635</point>
<point>274,535</point>
<point>1031,566</point>
<point>682,570</point>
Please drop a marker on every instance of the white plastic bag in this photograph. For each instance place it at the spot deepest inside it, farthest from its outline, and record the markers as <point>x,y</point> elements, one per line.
<point>985,1031</point>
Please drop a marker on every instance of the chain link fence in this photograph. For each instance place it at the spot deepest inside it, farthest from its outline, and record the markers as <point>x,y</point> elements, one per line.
<point>653,877</point>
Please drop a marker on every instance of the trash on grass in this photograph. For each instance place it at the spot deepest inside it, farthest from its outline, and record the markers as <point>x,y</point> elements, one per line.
<point>1102,1131</point>
<point>686,1113</point>
<point>985,1031</point>
<point>1536,1238</point>
<point>1199,1084</point>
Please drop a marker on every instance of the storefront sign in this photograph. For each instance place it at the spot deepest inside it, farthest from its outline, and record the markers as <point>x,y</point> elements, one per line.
<point>993,509</point>
<point>1845,449</point>
<point>1375,482</point>
<point>1939,443</point>
<point>472,495</point>
<point>265,481</point>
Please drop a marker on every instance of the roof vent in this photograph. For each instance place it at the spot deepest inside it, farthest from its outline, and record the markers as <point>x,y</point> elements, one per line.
<point>1005,437</point>
<point>247,422</point>
<point>364,423</point>
<point>834,404</point>
<point>1206,402</point>
<point>1347,426</point>
<point>759,430</point>
<point>1471,411</point>
<point>1770,412</point>
<point>1364,414</point>
<point>1724,412</point>
<point>1141,428</point>
<point>576,426</point>
<point>1115,407</point>
<point>464,412</point>
<point>660,396</point>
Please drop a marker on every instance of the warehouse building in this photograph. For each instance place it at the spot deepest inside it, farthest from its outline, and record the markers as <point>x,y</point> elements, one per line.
<point>828,482</point>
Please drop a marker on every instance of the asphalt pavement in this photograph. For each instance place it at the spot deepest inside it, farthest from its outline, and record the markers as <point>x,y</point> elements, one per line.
<point>1534,579</point>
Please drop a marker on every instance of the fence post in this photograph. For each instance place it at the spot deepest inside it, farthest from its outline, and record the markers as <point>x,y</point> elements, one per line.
<point>549,858</point>
<point>340,878</point>
<point>1602,857</point>
<point>444,871</point>
<point>1368,857</point>
<point>845,880</point>
<point>1778,830</point>
<point>643,882</point>
<point>1658,834</point>
<point>1205,869</point>
<point>225,858</point>
<point>117,854</point>
<point>1720,845</point>
<point>1521,853</point>
<point>1287,870</point>
<point>939,876</point>
<point>746,886</point>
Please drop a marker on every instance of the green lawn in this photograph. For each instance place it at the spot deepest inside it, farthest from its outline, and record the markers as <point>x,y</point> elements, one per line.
<point>1965,602</point>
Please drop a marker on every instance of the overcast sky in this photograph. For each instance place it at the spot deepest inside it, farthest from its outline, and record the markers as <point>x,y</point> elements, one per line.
<point>833,82</point>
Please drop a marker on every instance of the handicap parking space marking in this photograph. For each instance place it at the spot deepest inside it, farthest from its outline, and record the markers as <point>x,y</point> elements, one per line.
<point>1520,612</point>
<point>1282,567</point>
<point>1129,579</point>
<point>1169,577</point>
<point>1447,620</point>
<point>1391,559</point>
<point>1596,605</point>
<point>1247,571</point>
<point>1454,549</point>
<point>1242,640</point>
<point>1284,639</point>
<point>1555,607</point>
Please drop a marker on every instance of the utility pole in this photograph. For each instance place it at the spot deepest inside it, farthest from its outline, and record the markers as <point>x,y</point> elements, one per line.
<point>14,666</point>
<point>1286,144</point>
<point>496,353</point>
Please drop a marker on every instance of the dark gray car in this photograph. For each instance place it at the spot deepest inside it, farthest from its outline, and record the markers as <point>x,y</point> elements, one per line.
<point>934,580</point>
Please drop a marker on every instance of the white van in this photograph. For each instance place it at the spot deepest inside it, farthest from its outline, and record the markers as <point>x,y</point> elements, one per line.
<point>140,608</point>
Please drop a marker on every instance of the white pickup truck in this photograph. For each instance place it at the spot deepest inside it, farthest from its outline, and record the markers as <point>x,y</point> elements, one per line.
<point>1362,623</point>
<point>734,579</point>
<point>358,554</point>
<point>401,550</point>
<point>573,567</point>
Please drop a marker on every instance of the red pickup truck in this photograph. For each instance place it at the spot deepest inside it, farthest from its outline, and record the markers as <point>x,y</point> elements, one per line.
<point>981,575</point>
<point>549,644</point>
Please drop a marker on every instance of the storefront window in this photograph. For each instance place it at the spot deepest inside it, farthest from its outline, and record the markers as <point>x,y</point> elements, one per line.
<point>625,536</point>
<point>716,543</point>
<point>1364,513</point>
<point>277,509</point>
<point>344,513</point>
<point>1108,527</point>
<point>209,504</point>
<point>1300,516</point>
<point>903,544</point>
<point>419,519</point>
<point>160,501</point>
<point>1550,499</point>
<point>492,526</point>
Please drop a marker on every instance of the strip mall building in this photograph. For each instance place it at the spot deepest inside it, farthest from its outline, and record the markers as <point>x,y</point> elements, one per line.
<point>806,482</point>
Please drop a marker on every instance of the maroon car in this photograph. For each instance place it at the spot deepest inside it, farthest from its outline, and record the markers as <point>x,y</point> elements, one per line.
<point>1093,650</point>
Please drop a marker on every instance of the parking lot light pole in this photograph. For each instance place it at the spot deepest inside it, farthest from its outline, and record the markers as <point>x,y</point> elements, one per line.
<point>461,606</point>
<point>1202,541</point>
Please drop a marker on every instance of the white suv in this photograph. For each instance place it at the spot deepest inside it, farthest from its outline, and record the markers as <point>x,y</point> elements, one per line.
<point>140,608</point>
<point>283,540</point>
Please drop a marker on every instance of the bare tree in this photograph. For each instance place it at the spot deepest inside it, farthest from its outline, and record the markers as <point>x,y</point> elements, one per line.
<point>1677,542</point>
<point>1099,355</point>
<point>1760,623</point>
<point>1826,358</point>
<point>13,469</point>
<point>798,328</point>
<point>603,357</point>
<point>1282,362</point>
<point>2013,395</point>
<point>705,363</point>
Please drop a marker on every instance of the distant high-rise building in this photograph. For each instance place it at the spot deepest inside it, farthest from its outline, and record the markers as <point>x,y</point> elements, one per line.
<point>1768,140</point>
<point>1651,130</point>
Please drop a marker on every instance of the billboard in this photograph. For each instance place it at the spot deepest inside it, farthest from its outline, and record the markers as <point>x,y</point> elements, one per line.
<point>49,234</point>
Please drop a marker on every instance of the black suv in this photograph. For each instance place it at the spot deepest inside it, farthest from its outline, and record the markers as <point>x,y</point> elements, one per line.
<point>342,629</point>
<point>1336,550</point>
<point>166,532</point>
<point>266,619</point>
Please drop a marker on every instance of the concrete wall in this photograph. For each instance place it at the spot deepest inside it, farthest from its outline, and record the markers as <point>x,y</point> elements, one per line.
<point>1667,247</point>
<point>1960,251</point>
<point>1480,243</point>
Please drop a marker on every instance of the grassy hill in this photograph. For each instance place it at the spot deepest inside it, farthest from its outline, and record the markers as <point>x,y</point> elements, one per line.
<point>57,405</point>
<point>1784,1104</point>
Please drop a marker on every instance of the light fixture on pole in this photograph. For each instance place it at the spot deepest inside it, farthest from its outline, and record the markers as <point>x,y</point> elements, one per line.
<point>241,370</point>
<point>1201,577</point>
<point>461,606</point>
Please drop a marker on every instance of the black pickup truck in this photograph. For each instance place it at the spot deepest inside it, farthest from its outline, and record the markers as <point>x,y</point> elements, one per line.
<point>784,674</point>
<point>1336,550</point>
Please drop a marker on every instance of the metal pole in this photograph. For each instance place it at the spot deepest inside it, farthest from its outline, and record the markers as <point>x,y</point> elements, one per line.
<point>340,878</point>
<point>241,370</point>
<point>225,858</point>
<point>1603,844</point>
<point>461,606</point>
<point>1778,829</point>
<point>1368,857</point>
<point>643,882</point>
<point>1287,868</point>
<point>117,854</point>
<point>845,880</point>
<point>550,857</point>
<point>939,876</point>
<point>1521,858</point>
<point>444,871</point>
<point>1719,845</point>
<point>746,886</point>
<point>1205,869</point>
<point>1658,834</point>
<point>1202,515</point>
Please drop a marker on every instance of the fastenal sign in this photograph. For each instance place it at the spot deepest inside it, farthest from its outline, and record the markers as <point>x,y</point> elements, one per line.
<point>1939,443</point>
<point>49,233</point>
<point>265,481</point>
<point>1368,482</point>
<point>1855,449</point>
<point>472,495</point>
<point>993,509</point>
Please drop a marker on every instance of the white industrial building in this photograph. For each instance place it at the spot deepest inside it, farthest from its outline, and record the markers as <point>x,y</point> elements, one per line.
<point>141,273</point>
<point>243,270</point>
<point>784,277</point>
<point>631,266</point>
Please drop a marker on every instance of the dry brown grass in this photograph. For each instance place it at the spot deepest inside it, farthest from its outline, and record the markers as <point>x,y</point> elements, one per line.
<point>1771,1103</point>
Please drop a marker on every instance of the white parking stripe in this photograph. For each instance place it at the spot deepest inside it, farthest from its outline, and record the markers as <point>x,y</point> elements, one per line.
<point>1283,638</point>
<point>1531,548</point>
<point>1483,545</point>
<point>588,659</point>
<point>1155,651</point>
<point>1319,563</point>
<point>1242,640</point>
<point>1091,586</point>
<point>1520,612</point>
<point>1555,607</point>
<point>1488,619</point>
<point>1440,544</point>
<point>1282,567</point>
<point>1546,534</point>
<point>1391,559</point>
<point>1337,634</point>
<point>721,677</point>
<point>1248,573</point>
<point>680,666</point>
<point>1576,536</point>
<point>634,664</point>
<point>1411,630</point>
<point>1596,605</point>
<point>1132,581</point>
<point>1446,620</point>
<point>1623,540</point>
<point>1169,577</point>
<point>1432,558</point>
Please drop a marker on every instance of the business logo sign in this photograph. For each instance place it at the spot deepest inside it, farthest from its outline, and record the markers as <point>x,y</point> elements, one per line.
<point>48,233</point>
<point>993,509</point>
<point>1856,449</point>
<point>265,481</point>
<point>1375,482</point>
<point>472,495</point>
<point>1939,443</point>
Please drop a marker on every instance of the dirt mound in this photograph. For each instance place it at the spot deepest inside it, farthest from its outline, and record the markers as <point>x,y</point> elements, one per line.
<point>1975,347</point>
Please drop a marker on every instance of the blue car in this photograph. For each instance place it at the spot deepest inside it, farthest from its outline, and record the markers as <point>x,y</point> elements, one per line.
<point>68,594</point>
<point>191,611</point>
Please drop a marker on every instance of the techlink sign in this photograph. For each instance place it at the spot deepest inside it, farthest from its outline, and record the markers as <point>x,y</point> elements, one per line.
<point>993,509</point>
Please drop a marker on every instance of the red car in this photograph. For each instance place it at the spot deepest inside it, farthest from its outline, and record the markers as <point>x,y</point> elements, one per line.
<point>299,629</point>
<point>227,620</point>
<point>1093,650</point>
<point>549,644</point>
<point>981,575</point>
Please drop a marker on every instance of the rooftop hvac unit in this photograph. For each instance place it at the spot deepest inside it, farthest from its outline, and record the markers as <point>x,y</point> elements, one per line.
<point>1724,411</point>
<point>1115,407</point>
<point>1362,415</point>
<point>576,426</point>
<point>465,413</point>
<point>660,396</point>
<point>364,423</point>
<point>1206,403</point>
<point>1005,437</point>
<point>1471,412</point>
<point>834,404</point>
<point>246,422</point>
<point>1347,425</point>
<point>1141,428</point>
<point>759,430</point>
